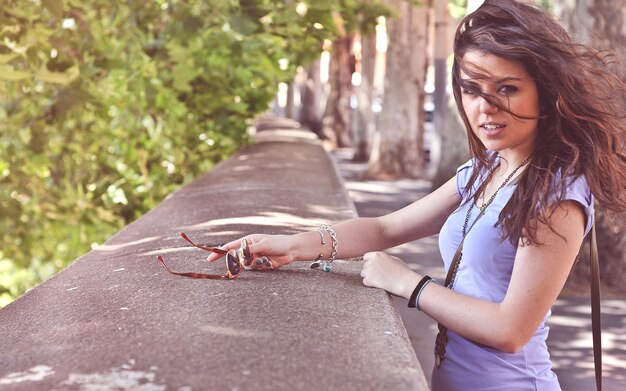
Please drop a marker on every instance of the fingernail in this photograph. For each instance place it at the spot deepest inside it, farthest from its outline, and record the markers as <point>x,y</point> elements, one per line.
<point>259,262</point>
<point>269,264</point>
<point>264,259</point>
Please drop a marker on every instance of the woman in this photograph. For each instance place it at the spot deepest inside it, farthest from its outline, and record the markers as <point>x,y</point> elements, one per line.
<point>544,127</point>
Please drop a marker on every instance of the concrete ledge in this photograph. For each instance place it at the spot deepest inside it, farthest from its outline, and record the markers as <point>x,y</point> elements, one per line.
<point>115,319</point>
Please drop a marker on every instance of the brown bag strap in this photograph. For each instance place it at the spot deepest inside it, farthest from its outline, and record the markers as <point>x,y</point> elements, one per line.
<point>596,316</point>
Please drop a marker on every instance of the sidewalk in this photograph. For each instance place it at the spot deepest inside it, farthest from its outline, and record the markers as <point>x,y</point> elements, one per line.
<point>570,336</point>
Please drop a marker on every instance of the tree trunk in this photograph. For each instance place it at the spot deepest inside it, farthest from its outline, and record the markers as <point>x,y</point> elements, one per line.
<point>455,144</point>
<point>447,118</point>
<point>311,99</point>
<point>365,126</point>
<point>601,24</point>
<point>337,113</point>
<point>400,151</point>
<point>441,51</point>
<point>290,107</point>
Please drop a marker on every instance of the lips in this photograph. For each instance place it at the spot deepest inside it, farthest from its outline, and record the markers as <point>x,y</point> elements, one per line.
<point>492,128</point>
<point>491,125</point>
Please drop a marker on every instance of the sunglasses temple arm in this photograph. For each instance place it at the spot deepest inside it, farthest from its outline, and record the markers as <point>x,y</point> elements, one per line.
<point>192,275</point>
<point>211,249</point>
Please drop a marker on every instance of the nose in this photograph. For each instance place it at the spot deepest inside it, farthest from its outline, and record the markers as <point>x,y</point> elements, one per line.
<point>487,107</point>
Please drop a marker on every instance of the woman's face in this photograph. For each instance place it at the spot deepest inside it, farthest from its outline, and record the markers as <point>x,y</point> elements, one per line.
<point>509,82</point>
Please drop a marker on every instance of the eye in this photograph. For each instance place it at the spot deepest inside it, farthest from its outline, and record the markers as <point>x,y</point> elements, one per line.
<point>507,89</point>
<point>470,90</point>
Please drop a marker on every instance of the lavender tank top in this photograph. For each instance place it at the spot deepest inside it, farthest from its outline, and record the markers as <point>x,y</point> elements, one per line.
<point>485,273</point>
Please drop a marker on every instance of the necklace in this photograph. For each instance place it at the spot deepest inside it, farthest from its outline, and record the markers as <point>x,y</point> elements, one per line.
<point>493,196</point>
<point>442,336</point>
<point>482,208</point>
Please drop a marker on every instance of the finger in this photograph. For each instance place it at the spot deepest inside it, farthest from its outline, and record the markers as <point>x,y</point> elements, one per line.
<point>263,263</point>
<point>234,245</point>
<point>259,248</point>
<point>368,257</point>
<point>268,264</point>
<point>366,282</point>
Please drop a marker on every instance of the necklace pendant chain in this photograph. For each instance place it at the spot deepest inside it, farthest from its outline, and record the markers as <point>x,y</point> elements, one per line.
<point>493,196</point>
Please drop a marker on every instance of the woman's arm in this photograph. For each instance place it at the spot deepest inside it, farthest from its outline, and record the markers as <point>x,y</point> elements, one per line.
<point>357,236</point>
<point>538,276</point>
<point>360,235</point>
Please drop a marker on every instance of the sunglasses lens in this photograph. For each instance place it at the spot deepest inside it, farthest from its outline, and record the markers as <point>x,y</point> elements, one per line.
<point>245,249</point>
<point>232,261</point>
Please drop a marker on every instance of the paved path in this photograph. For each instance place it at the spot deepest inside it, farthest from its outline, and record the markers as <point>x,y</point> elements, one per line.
<point>570,337</point>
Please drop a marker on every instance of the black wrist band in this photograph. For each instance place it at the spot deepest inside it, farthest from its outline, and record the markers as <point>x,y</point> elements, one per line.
<point>419,286</point>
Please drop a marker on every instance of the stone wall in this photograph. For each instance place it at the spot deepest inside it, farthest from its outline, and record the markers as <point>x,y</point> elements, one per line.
<point>115,319</point>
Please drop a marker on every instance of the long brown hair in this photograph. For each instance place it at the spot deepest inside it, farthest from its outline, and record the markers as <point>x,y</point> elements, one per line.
<point>581,123</point>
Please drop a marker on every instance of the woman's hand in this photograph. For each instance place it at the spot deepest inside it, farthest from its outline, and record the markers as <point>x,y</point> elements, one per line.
<point>268,251</point>
<point>389,273</point>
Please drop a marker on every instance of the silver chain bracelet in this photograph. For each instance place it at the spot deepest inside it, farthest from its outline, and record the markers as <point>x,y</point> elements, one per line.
<point>326,265</point>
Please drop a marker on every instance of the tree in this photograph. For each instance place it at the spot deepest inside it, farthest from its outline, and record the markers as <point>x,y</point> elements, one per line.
<point>337,114</point>
<point>350,17</point>
<point>454,145</point>
<point>447,120</point>
<point>441,52</point>
<point>600,23</point>
<point>399,149</point>
<point>365,126</point>
<point>312,93</point>
<point>106,110</point>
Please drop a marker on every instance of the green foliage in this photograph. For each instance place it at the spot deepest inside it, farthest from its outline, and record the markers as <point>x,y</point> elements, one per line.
<point>107,107</point>
<point>361,15</point>
<point>546,4</point>
<point>457,8</point>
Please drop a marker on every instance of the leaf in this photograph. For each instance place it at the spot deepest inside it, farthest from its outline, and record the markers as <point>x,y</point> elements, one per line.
<point>7,72</point>
<point>62,78</point>
<point>243,25</point>
<point>183,74</point>
<point>6,58</point>
<point>116,194</point>
<point>55,7</point>
<point>106,215</point>
<point>15,46</point>
<point>177,52</point>
<point>67,99</point>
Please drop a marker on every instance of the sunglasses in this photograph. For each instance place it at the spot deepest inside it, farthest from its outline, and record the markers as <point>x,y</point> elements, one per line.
<point>235,261</point>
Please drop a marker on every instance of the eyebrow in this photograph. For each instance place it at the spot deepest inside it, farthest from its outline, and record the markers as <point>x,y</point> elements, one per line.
<point>499,81</point>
